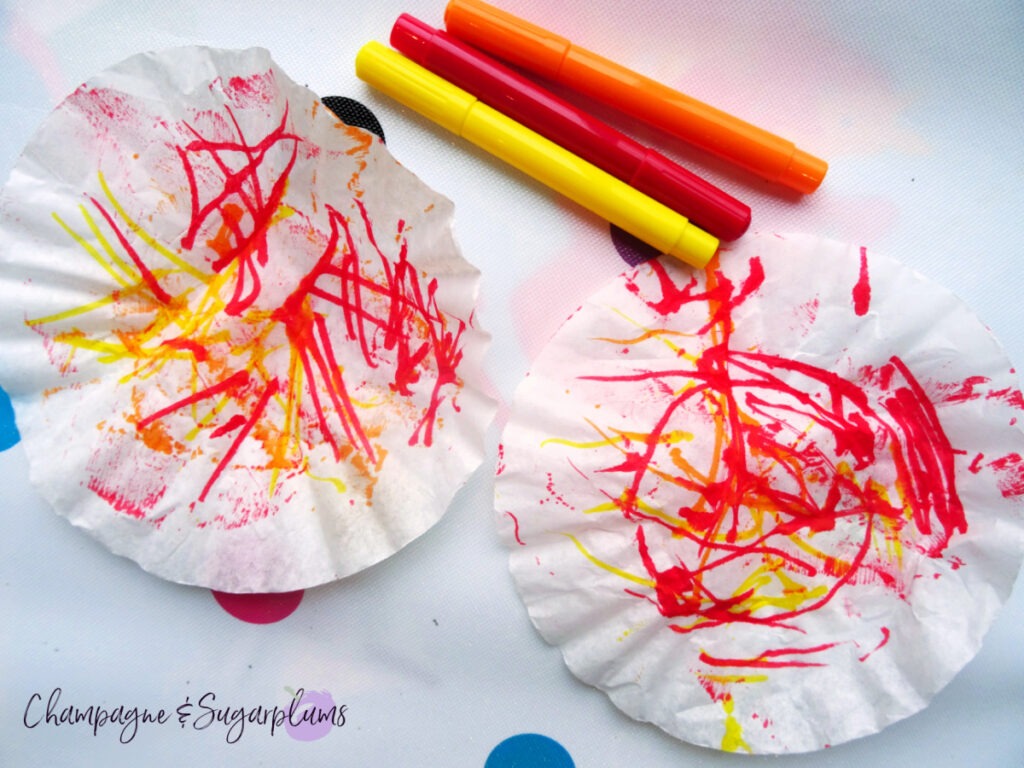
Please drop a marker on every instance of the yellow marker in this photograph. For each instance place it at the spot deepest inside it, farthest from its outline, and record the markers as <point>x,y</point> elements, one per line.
<point>541,159</point>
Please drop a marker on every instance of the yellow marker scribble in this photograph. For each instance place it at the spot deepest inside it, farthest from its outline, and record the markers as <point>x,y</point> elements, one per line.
<point>607,566</point>
<point>732,741</point>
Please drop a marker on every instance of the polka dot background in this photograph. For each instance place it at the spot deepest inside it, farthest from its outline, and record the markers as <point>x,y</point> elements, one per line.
<point>431,652</point>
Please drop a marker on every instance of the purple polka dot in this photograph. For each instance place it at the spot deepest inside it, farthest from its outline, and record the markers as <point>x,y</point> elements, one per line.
<point>313,717</point>
<point>632,250</point>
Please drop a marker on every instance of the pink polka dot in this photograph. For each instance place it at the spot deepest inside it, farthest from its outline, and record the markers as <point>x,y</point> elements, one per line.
<point>259,609</point>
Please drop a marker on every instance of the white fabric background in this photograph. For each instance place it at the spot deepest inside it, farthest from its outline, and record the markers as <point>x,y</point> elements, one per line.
<point>918,108</point>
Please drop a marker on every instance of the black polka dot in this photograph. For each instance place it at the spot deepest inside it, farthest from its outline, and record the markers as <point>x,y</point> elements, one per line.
<point>352,112</point>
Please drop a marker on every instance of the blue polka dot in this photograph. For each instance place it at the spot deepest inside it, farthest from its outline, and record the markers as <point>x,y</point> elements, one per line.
<point>529,750</point>
<point>8,432</point>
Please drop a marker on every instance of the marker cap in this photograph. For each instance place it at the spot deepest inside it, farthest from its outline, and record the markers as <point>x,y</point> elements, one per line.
<point>707,206</point>
<point>420,90</point>
<point>694,246</point>
<point>804,173</point>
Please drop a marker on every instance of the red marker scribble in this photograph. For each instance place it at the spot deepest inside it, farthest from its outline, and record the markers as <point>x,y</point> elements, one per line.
<point>235,365</point>
<point>777,658</point>
<point>963,391</point>
<point>515,529</point>
<point>886,634</point>
<point>754,488</point>
<point>862,290</point>
<point>814,481</point>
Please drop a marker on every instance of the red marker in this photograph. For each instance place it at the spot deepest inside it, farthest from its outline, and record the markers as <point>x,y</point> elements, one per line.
<point>520,99</point>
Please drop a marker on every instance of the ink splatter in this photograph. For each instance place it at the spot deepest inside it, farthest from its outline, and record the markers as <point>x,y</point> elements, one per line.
<point>747,489</point>
<point>277,317</point>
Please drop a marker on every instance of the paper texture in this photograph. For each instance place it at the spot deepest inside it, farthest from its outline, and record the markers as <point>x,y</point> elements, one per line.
<point>237,333</point>
<point>771,506</point>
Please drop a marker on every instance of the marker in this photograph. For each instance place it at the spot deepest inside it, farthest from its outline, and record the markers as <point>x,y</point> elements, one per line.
<point>600,192</point>
<point>539,110</point>
<point>543,53</point>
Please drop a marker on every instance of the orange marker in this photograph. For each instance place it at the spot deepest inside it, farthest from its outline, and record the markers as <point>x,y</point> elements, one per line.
<point>555,58</point>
